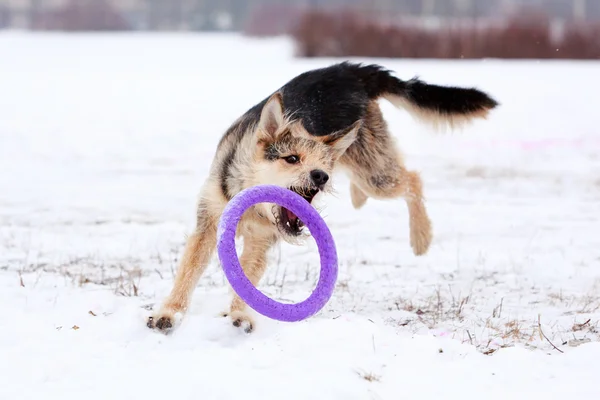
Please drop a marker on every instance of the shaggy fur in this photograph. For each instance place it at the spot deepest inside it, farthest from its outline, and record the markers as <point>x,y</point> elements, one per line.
<point>321,121</point>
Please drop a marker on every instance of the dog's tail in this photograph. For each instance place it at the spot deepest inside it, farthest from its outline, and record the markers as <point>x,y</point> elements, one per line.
<point>432,104</point>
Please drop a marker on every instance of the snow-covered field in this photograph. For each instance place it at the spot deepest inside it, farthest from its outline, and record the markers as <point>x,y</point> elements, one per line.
<point>104,142</point>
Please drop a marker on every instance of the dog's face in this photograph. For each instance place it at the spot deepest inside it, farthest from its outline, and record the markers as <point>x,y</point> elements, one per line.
<point>288,156</point>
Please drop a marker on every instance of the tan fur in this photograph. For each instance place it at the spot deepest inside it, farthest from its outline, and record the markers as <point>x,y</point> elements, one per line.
<point>198,251</point>
<point>257,226</point>
<point>365,150</point>
<point>357,196</point>
<point>376,170</point>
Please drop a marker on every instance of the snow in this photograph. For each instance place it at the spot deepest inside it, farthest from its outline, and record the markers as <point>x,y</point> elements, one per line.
<point>105,140</point>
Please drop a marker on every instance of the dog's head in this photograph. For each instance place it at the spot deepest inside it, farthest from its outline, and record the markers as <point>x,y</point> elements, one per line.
<point>288,156</point>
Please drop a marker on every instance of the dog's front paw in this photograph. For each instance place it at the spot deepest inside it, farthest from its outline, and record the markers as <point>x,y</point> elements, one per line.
<point>241,320</point>
<point>163,324</point>
<point>164,321</point>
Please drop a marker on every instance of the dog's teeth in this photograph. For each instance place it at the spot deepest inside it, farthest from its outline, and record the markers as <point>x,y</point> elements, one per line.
<point>288,224</point>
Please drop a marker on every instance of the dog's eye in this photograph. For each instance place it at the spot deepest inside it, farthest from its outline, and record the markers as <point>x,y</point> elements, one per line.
<point>292,159</point>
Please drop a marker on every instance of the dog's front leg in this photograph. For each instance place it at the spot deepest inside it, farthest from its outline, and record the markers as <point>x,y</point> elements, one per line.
<point>254,264</point>
<point>199,249</point>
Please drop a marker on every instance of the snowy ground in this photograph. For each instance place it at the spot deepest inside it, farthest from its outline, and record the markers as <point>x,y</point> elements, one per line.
<point>104,142</point>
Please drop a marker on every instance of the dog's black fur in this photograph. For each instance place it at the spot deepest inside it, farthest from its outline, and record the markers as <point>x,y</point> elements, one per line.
<point>332,98</point>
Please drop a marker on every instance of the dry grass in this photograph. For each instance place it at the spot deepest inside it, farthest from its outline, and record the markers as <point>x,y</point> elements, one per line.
<point>586,304</point>
<point>123,277</point>
<point>460,315</point>
<point>369,376</point>
<point>127,283</point>
<point>435,308</point>
<point>589,304</point>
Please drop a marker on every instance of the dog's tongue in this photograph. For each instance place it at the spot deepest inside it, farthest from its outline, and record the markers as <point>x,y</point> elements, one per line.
<point>291,216</point>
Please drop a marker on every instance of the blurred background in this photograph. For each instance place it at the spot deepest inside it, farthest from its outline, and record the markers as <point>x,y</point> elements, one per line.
<point>371,28</point>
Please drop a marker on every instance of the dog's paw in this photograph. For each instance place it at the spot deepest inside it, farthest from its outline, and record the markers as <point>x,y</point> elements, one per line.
<point>421,237</point>
<point>164,321</point>
<point>241,320</point>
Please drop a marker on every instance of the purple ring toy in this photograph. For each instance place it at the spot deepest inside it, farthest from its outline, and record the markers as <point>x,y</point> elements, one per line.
<point>238,280</point>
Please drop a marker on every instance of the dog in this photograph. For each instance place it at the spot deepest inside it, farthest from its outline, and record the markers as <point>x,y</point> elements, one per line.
<point>322,121</point>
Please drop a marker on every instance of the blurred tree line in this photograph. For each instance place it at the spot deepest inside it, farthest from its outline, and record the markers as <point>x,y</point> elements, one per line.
<point>235,15</point>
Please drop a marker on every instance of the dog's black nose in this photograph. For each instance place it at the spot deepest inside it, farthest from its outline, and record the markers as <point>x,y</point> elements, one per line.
<point>319,177</point>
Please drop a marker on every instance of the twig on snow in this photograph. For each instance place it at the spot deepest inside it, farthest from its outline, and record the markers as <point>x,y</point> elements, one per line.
<point>544,335</point>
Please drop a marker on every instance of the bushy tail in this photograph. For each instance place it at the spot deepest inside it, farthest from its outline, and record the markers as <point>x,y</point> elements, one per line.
<point>432,104</point>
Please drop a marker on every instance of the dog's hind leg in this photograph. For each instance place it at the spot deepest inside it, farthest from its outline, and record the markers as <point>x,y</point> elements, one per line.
<point>391,182</point>
<point>254,264</point>
<point>376,170</point>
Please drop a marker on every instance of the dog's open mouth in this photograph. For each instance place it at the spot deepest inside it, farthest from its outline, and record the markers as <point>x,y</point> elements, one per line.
<point>287,219</point>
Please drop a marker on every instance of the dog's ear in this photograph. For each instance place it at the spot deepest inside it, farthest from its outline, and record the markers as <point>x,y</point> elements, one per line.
<point>342,139</point>
<point>271,118</point>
